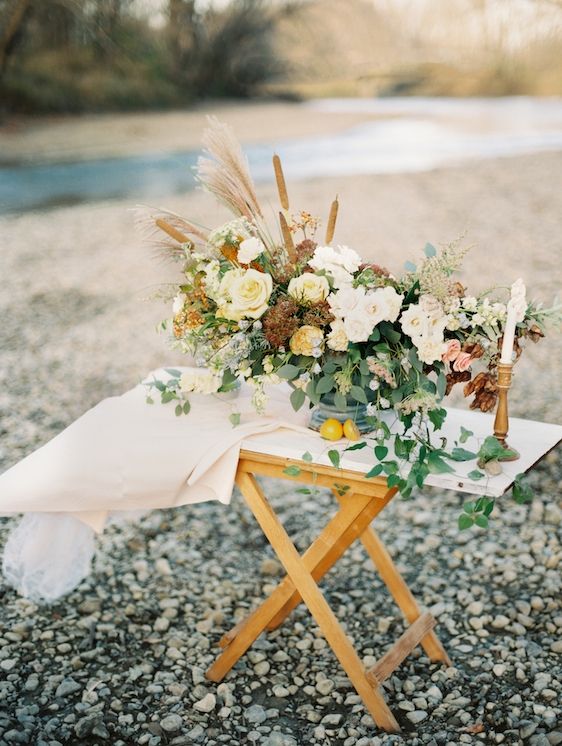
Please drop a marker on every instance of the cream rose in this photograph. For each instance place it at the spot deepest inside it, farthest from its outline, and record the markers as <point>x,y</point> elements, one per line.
<point>200,381</point>
<point>248,292</point>
<point>308,341</point>
<point>430,350</point>
<point>337,338</point>
<point>308,288</point>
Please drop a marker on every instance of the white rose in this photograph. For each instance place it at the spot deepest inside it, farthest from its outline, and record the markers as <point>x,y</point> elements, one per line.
<point>248,291</point>
<point>430,349</point>
<point>249,250</point>
<point>179,302</point>
<point>308,288</point>
<point>339,263</point>
<point>358,326</point>
<point>375,306</point>
<point>414,322</point>
<point>337,338</point>
<point>345,300</point>
<point>393,303</point>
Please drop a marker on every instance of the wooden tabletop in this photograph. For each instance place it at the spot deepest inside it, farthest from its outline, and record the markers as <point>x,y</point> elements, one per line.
<point>532,440</point>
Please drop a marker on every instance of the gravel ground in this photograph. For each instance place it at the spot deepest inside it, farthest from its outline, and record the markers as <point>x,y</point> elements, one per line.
<point>121,660</point>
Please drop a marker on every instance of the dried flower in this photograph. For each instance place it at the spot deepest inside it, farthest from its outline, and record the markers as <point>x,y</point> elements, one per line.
<point>455,377</point>
<point>319,314</point>
<point>281,322</point>
<point>305,250</point>
<point>485,389</point>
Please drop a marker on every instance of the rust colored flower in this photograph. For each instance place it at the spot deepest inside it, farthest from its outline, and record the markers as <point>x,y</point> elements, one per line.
<point>455,377</point>
<point>375,269</point>
<point>535,333</point>
<point>281,322</point>
<point>305,250</point>
<point>319,314</point>
<point>485,390</point>
<point>474,349</point>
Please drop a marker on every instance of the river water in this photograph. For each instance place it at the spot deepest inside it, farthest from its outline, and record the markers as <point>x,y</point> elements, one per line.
<point>407,135</point>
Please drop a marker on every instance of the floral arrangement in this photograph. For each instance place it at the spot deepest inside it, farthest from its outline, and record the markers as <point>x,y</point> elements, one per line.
<point>269,305</point>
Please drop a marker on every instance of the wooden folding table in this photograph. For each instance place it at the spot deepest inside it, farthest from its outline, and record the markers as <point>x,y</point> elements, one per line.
<point>359,501</point>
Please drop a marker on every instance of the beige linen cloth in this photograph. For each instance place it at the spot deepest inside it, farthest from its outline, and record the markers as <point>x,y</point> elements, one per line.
<point>122,455</point>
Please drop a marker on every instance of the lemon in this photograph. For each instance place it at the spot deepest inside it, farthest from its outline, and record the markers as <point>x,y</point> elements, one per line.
<point>350,430</point>
<point>331,429</point>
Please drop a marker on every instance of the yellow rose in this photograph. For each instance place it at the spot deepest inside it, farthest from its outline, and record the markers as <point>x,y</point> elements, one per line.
<point>249,291</point>
<point>308,340</point>
<point>309,288</point>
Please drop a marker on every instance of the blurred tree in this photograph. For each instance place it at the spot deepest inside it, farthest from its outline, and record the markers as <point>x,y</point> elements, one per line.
<point>182,35</point>
<point>13,16</point>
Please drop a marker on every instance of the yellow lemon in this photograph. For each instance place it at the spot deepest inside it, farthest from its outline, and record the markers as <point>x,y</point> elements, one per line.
<point>350,430</point>
<point>331,429</point>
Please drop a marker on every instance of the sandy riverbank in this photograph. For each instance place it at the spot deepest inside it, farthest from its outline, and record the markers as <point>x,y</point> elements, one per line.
<point>76,138</point>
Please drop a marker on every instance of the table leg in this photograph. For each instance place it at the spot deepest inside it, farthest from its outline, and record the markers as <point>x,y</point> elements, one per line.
<point>342,530</point>
<point>316,603</point>
<point>399,590</point>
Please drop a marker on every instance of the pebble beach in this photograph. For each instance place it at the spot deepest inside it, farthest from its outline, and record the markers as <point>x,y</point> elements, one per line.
<point>121,660</point>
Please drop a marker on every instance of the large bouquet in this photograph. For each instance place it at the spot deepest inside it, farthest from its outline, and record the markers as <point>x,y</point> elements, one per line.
<point>267,305</point>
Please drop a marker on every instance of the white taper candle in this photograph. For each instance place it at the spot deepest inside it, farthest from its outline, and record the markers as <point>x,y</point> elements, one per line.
<point>509,336</point>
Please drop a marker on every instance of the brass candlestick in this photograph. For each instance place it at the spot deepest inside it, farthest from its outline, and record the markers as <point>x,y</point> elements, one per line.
<point>501,423</point>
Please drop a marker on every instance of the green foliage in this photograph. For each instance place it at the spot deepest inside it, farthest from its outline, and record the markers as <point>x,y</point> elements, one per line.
<point>492,449</point>
<point>476,513</point>
<point>522,492</point>
<point>334,457</point>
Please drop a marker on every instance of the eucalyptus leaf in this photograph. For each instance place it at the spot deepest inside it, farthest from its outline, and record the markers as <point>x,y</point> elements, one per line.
<point>429,250</point>
<point>297,399</point>
<point>325,384</point>
<point>340,401</point>
<point>358,394</point>
<point>288,371</point>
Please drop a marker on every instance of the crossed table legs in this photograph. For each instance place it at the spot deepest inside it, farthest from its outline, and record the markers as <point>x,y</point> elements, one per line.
<point>359,505</point>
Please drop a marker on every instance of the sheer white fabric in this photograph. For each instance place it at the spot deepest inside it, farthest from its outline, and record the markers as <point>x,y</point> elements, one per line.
<point>47,555</point>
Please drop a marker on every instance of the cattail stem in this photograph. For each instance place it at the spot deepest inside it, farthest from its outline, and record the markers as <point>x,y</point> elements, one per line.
<point>171,231</point>
<point>331,227</point>
<point>280,179</point>
<point>288,239</point>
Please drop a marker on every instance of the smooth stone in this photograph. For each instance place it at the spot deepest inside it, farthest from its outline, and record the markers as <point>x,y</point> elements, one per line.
<point>500,621</point>
<point>262,668</point>
<point>207,704</point>
<point>255,714</point>
<point>171,723</point>
<point>416,716</point>
<point>66,687</point>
